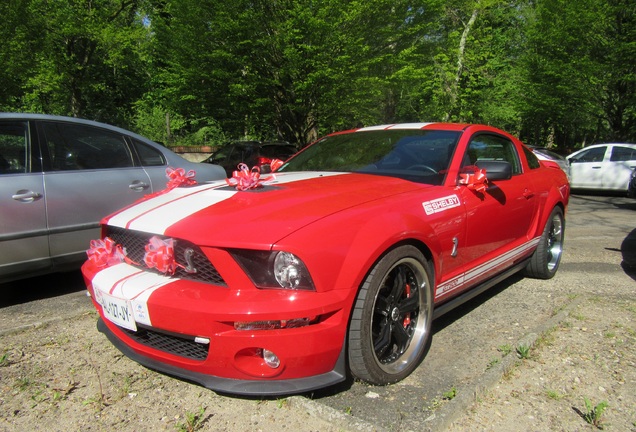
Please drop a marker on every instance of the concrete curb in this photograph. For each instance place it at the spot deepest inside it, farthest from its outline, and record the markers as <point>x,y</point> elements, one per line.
<point>339,419</point>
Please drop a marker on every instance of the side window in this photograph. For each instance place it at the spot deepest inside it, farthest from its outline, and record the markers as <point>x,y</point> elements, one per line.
<point>492,148</point>
<point>591,155</point>
<point>622,154</point>
<point>14,145</point>
<point>148,155</point>
<point>79,147</point>
<point>533,160</point>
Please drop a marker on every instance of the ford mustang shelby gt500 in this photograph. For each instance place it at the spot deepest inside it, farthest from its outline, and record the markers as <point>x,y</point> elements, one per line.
<point>335,264</point>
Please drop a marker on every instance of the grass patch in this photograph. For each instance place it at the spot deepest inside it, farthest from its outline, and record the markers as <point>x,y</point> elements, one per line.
<point>193,421</point>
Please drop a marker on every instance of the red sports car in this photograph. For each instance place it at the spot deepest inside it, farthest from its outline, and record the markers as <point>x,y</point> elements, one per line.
<point>335,264</point>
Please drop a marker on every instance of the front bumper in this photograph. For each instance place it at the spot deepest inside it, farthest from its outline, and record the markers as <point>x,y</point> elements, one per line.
<point>181,313</point>
<point>234,386</point>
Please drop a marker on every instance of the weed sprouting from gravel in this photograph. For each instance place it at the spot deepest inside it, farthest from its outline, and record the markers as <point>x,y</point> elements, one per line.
<point>554,395</point>
<point>193,421</point>
<point>504,349</point>
<point>523,351</point>
<point>594,413</point>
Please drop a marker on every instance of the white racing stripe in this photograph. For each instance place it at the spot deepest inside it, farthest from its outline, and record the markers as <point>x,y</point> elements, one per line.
<point>395,126</point>
<point>501,261</point>
<point>130,283</point>
<point>156,215</point>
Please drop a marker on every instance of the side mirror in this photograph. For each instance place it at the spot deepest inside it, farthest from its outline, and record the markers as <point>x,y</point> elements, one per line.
<point>496,170</point>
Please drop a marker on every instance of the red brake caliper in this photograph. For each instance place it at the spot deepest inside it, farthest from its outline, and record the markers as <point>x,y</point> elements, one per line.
<point>407,318</point>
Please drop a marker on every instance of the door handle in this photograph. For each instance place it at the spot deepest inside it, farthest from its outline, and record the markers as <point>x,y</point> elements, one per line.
<point>26,196</point>
<point>138,185</point>
<point>527,193</point>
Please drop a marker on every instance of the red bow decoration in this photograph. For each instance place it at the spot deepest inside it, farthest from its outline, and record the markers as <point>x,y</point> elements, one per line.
<point>176,177</point>
<point>160,254</point>
<point>474,178</point>
<point>275,164</point>
<point>105,252</point>
<point>245,179</point>
<point>179,177</point>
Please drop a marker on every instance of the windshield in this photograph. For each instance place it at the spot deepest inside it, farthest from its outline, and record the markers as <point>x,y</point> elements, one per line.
<point>415,155</point>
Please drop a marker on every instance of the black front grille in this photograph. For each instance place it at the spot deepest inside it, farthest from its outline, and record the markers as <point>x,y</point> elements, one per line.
<point>183,346</point>
<point>134,243</point>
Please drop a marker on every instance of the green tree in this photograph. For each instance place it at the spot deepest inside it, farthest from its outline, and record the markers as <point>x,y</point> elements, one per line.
<point>82,57</point>
<point>581,77</point>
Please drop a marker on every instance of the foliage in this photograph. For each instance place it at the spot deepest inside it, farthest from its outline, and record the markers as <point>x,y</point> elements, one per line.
<point>594,413</point>
<point>554,72</point>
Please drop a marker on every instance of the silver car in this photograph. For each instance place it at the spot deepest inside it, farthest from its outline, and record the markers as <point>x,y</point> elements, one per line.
<point>543,153</point>
<point>59,176</point>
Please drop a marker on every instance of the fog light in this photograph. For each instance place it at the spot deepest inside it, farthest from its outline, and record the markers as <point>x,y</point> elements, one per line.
<point>271,359</point>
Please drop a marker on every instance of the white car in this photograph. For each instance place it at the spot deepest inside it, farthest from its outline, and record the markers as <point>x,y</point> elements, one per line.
<point>605,167</point>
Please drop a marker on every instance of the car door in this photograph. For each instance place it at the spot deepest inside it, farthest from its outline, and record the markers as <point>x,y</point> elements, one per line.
<point>586,168</point>
<point>90,174</point>
<point>154,163</point>
<point>618,166</point>
<point>23,231</point>
<point>500,217</point>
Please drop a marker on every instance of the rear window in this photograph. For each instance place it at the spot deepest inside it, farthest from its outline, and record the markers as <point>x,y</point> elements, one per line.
<point>623,154</point>
<point>149,156</point>
<point>80,147</point>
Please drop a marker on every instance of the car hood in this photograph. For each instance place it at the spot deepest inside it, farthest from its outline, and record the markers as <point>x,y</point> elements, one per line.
<point>218,215</point>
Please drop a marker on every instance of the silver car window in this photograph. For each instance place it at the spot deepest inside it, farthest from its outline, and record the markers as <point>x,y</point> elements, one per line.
<point>79,147</point>
<point>148,155</point>
<point>14,140</point>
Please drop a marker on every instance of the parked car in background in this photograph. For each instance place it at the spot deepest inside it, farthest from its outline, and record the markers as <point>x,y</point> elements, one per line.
<point>604,167</point>
<point>547,154</point>
<point>59,176</point>
<point>631,189</point>
<point>251,153</point>
<point>334,266</point>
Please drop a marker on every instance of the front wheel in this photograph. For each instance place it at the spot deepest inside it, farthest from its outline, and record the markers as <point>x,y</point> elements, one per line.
<point>391,320</point>
<point>547,257</point>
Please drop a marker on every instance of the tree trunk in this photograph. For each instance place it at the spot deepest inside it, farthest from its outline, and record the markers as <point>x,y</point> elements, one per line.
<point>454,90</point>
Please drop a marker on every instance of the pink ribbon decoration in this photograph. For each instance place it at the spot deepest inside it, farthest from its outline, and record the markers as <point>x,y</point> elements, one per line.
<point>178,177</point>
<point>275,164</point>
<point>160,255</point>
<point>105,253</point>
<point>474,178</point>
<point>244,178</point>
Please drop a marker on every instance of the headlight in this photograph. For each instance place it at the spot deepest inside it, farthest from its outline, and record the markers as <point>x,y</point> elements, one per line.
<point>274,269</point>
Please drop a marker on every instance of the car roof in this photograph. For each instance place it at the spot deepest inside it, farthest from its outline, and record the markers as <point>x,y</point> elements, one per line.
<point>76,120</point>
<point>608,144</point>
<point>419,125</point>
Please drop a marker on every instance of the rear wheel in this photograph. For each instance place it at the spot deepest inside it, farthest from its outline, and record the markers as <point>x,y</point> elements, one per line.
<point>391,321</point>
<point>547,257</point>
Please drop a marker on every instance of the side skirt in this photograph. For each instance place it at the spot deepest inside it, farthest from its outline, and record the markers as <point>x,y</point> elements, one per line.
<point>474,292</point>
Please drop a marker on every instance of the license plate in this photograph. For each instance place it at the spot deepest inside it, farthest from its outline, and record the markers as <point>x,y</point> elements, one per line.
<point>119,311</point>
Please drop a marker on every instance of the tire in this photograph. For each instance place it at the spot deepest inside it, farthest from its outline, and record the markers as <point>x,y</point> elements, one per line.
<point>545,261</point>
<point>391,321</point>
